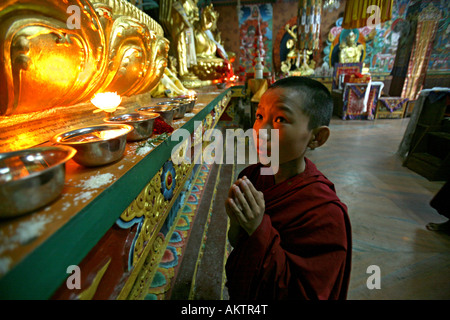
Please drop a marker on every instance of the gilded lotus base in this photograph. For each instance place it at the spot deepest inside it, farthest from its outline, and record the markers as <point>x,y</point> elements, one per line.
<point>208,68</point>
<point>191,81</point>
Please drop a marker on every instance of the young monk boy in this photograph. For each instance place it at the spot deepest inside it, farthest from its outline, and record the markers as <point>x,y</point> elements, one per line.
<point>290,233</point>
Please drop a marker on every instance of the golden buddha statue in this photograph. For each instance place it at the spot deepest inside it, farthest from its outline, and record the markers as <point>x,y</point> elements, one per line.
<point>208,63</point>
<point>169,86</point>
<point>204,45</point>
<point>215,30</point>
<point>192,42</point>
<point>350,51</point>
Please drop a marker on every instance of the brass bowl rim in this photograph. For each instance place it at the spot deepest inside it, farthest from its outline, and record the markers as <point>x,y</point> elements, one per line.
<point>70,152</point>
<point>169,103</point>
<point>145,117</point>
<point>183,100</point>
<point>165,108</point>
<point>105,126</point>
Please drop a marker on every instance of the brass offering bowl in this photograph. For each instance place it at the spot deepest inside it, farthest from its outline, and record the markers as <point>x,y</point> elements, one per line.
<point>180,108</point>
<point>96,145</point>
<point>142,124</point>
<point>31,178</point>
<point>166,112</point>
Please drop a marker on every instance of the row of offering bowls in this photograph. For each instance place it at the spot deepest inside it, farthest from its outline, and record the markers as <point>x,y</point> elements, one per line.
<point>32,178</point>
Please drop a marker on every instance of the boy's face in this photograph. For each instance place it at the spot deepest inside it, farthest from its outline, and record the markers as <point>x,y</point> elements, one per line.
<point>279,109</point>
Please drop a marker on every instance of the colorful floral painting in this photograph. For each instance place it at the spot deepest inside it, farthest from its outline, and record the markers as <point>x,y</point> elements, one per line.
<point>251,18</point>
<point>168,180</point>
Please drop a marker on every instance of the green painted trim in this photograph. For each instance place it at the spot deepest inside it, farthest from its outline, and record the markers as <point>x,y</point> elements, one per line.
<point>43,271</point>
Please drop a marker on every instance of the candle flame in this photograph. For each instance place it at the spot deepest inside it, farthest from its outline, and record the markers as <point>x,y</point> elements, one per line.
<point>106,101</point>
<point>192,94</point>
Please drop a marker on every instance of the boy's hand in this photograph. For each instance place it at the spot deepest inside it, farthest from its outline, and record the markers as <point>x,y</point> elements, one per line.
<point>247,206</point>
<point>231,206</point>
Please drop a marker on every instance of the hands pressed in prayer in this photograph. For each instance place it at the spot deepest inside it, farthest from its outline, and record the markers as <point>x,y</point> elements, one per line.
<point>245,206</point>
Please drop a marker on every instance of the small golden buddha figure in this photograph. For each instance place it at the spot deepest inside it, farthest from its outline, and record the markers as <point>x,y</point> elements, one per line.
<point>192,42</point>
<point>350,51</point>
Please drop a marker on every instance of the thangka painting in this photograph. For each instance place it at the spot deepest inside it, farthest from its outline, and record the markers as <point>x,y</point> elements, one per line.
<point>252,17</point>
<point>440,52</point>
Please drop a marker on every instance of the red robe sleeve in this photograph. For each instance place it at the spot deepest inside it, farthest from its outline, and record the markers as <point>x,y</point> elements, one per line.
<point>310,262</point>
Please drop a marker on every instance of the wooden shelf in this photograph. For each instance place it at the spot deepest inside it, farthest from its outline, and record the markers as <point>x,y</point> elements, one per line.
<point>429,154</point>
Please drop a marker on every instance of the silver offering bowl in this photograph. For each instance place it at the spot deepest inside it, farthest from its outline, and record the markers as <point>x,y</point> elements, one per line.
<point>166,112</point>
<point>96,145</point>
<point>142,124</point>
<point>190,100</point>
<point>180,108</point>
<point>31,178</point>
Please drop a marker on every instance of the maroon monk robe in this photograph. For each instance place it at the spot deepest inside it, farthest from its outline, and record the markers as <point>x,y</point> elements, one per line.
<point>301,249</point>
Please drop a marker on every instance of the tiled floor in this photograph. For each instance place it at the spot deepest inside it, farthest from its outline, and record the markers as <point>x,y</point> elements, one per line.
<point>389,208</point>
